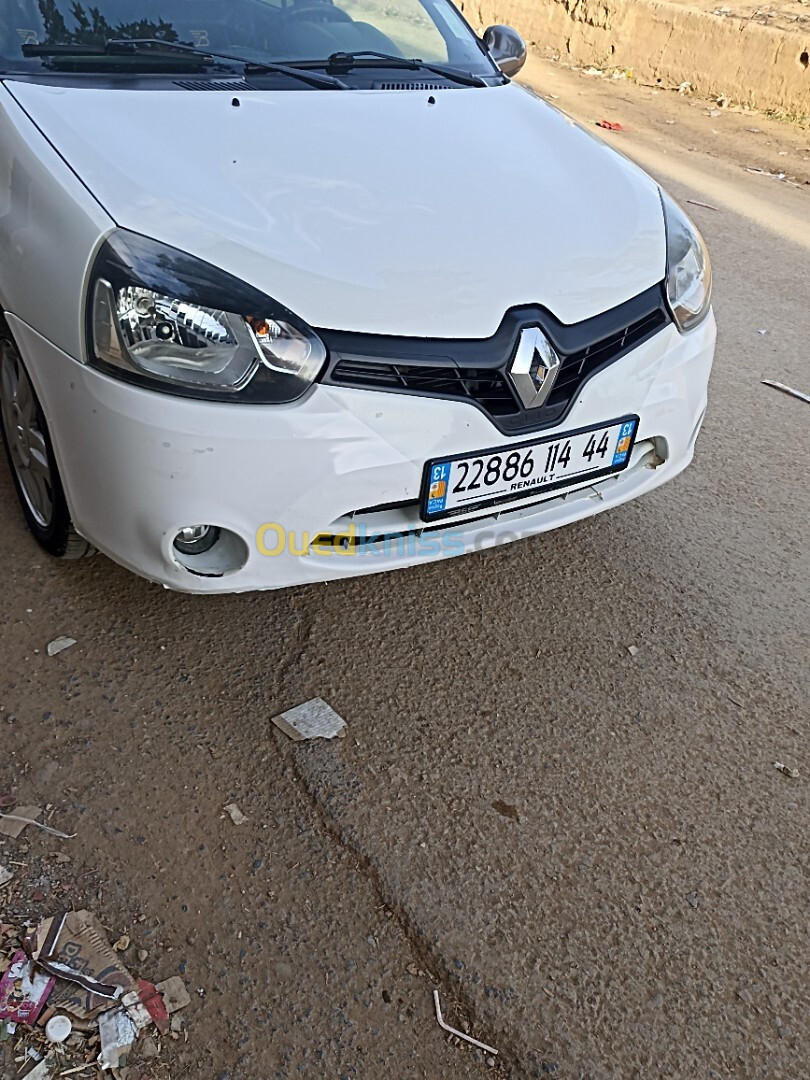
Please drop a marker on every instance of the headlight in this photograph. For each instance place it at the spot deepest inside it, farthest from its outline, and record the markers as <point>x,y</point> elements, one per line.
<point>689,273</point>
<point>167,320</point>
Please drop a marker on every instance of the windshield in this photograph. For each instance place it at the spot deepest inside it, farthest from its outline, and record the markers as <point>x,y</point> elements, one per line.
<point>254,30</point>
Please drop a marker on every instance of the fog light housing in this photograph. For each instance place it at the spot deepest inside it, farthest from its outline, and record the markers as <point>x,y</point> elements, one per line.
<point>195,539</point>
<point>209,550</point>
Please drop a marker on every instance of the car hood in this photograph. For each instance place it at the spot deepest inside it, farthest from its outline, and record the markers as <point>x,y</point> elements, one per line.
<point>391,212</point>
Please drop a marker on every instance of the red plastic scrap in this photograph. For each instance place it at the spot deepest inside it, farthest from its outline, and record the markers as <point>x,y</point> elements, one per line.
<point>608,125</point>
<point>154,1005</point>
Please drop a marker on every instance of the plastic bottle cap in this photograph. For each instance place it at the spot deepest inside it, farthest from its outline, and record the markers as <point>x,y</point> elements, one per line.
<point>58,1028</point>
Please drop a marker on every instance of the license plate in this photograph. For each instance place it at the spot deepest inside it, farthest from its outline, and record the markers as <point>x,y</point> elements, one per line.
<point>490,477</point>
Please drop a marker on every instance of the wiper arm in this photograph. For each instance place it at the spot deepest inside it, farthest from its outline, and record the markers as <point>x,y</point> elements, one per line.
<point>345,61</point>
<point>322,82</point>
<point>154,46</point>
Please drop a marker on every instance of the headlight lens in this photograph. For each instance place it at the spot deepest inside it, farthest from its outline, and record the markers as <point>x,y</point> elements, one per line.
<point>689,273</point>
<point>167,320</point>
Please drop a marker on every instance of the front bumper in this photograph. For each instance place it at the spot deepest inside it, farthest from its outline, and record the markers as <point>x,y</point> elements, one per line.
<point>139,466</point>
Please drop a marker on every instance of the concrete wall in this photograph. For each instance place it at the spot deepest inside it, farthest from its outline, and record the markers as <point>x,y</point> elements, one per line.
<point>749,63</point>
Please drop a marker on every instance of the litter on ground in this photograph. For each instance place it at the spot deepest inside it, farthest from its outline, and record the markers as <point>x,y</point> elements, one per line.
<point>792,773</point>
<point>74,947</point>
<point>65,964</point>
<point>773,175</point>
<point>13,824</point>
<point>234,813</point>
<point>455,1031</point>
<point>59,644</point>
<point>42,1071</point>
<point>312,720</point>
<point>787,390</point>
<point>174,993</point>
<point>118,1034</point>
<point>23,991</point>
<point>58,1028</point>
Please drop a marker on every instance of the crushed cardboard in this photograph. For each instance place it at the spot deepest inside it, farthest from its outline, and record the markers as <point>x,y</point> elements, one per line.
<point>174,994</point>
<point>12,825</point>
<point>74,947</point>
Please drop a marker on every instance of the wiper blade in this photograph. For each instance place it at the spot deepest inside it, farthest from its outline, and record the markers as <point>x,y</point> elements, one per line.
<point>322,82</point>
<point>80,52</point>
<point>153,47</point>
<point>345,61</point>
<point>63,50</point>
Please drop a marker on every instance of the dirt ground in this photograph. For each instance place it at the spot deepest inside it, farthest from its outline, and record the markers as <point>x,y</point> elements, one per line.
<point>587,850</point>
<point>783,15</point>
<point>675,122</point>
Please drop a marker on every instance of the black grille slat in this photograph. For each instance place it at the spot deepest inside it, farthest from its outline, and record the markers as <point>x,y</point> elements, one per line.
<point>481,386</point>
<point>617,343</point>
<point>437,367</point>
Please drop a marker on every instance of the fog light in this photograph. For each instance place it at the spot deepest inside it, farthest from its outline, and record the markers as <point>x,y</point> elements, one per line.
<point>210,550</point>
<point>195,539</point>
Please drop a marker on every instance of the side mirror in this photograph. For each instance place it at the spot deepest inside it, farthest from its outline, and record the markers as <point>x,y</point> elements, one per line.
<point>506,47</point>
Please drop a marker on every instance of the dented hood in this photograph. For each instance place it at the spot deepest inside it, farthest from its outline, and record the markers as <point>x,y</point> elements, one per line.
<point>378,211</point>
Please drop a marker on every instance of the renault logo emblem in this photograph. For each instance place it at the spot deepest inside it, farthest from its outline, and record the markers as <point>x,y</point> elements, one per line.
<point>535,367</point>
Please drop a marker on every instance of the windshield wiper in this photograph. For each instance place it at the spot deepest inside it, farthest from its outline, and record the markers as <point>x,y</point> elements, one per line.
<point>63,50</point>
<point>154,46</point>
<point>345,61</point>
<point>325,82</point>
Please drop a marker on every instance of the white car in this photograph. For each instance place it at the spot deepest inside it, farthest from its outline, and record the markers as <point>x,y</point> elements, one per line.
<point>300,289</point>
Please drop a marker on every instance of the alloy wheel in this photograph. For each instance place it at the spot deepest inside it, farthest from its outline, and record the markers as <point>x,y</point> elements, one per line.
<point>28,449</point>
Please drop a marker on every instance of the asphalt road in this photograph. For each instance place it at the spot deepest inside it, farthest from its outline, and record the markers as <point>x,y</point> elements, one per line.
<point>589,852</point>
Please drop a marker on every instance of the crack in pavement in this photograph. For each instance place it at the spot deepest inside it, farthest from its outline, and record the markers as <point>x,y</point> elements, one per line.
<point>332,786</point>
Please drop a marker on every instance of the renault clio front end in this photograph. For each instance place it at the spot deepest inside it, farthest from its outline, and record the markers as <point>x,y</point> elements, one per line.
<point>298,289</point>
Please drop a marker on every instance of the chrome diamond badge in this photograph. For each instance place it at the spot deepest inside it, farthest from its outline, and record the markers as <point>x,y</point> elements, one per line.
<point>535,367</point>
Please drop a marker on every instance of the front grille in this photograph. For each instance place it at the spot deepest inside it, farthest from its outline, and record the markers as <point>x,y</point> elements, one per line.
<point>577,367</point>
<point>476,371</point>
<point>489,389</point>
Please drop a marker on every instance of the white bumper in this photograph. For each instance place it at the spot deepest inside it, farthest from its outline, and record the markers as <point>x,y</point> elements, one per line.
<point>139,466</point>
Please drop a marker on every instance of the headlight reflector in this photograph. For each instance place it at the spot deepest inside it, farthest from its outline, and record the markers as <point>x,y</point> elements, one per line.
<point>689,274</point>
<point>152,321</point>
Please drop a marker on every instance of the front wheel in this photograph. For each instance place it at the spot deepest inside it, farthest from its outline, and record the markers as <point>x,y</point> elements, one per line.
<point>30,455</point>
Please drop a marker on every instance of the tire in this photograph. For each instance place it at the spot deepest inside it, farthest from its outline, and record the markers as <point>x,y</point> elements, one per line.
<point>31,459</point>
